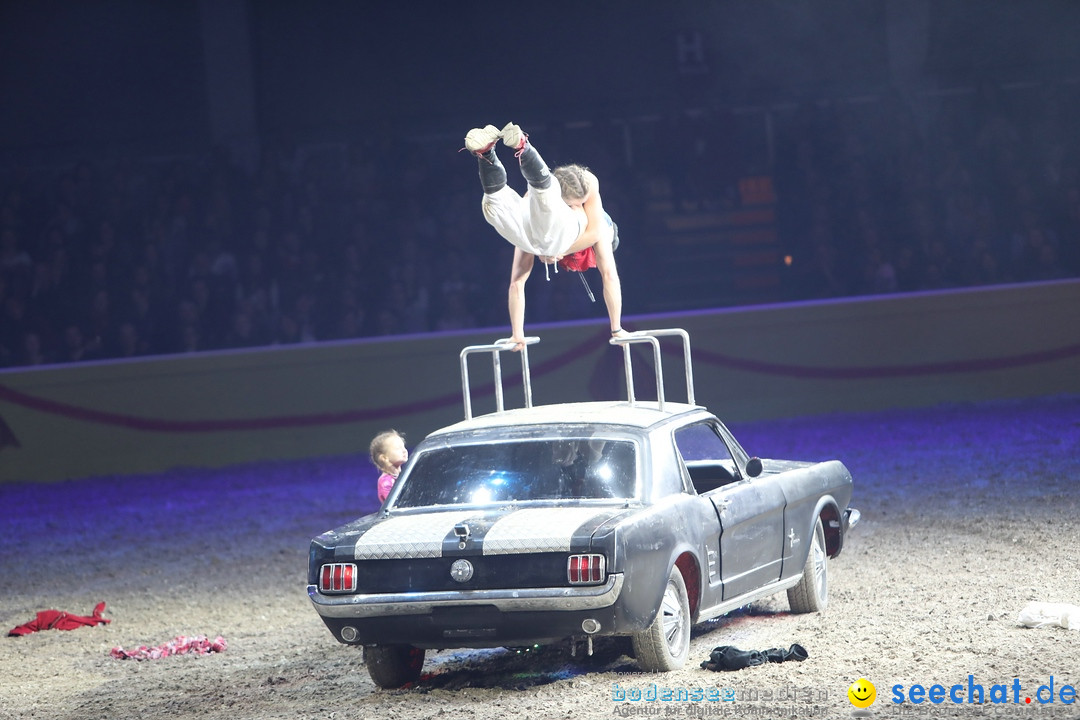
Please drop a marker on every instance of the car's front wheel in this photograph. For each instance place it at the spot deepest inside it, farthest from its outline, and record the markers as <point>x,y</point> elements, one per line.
<point>665,644</point>
<point>392,666</point>
<point>812,592</point>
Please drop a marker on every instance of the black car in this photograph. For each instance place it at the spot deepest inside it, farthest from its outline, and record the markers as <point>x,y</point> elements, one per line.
<point>572,521</point>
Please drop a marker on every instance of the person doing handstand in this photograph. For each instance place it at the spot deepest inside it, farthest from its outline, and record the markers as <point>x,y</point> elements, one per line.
<point>560,219</point>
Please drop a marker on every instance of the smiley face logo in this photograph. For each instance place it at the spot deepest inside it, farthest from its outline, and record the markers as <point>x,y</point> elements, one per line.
<point>862,693</point>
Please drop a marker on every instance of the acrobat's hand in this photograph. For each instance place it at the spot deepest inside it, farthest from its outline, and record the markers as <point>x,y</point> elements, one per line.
<point>620,333</point>
<point>517,341</point>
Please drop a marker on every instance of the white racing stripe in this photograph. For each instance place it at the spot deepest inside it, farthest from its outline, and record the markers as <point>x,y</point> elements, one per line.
<point>409,536</point>
<point>535,530</point>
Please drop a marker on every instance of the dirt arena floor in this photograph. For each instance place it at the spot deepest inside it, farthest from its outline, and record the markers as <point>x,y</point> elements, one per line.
<point>969,513</point>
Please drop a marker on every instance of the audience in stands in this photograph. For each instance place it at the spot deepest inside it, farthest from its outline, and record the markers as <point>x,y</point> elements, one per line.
<point>139,258</point>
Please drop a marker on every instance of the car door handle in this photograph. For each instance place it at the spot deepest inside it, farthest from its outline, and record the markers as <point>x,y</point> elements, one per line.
<point>722,505</point>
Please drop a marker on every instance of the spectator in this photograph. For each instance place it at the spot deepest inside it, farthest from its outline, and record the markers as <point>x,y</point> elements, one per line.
<point>77,348</point>
<point>244,333</point>
<point>32,353</point>
<point>1034,248</point>
<point>14,260</point>
<point>128,342</point>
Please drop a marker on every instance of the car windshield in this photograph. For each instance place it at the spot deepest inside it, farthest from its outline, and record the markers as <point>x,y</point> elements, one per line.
<point>522,470</point>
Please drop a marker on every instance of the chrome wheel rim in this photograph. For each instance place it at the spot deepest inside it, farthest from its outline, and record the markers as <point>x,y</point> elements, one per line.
<point>673,620</point>
<point>821,562</point>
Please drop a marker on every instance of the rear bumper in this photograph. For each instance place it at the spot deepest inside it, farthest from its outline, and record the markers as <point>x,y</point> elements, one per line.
<point>475,618</point>
<point>559,599</point>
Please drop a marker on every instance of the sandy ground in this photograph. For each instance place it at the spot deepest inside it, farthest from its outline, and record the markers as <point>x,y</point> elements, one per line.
<point>969,513</point>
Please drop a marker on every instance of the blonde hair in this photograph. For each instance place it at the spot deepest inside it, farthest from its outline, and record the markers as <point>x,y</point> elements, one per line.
<point>574,180</point>
<point>379,446</point>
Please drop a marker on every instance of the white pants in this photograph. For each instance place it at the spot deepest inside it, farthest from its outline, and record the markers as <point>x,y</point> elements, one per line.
<point>540,223</point>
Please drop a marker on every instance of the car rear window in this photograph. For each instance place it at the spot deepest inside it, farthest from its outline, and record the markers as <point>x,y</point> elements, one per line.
<point>545,469</point>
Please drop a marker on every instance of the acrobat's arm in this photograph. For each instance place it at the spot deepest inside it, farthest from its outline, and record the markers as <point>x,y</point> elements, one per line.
<point>605,263</point>
<point>519,273</point>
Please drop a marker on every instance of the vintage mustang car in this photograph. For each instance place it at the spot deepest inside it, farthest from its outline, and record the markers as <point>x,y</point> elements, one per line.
<point>571,521</point>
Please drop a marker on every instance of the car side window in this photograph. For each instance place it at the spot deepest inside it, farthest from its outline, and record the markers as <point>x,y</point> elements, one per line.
<point>707,457</point>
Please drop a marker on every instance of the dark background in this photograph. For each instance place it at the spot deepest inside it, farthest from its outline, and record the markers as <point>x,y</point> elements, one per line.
<point>88,75</point>
<point>149,151</point>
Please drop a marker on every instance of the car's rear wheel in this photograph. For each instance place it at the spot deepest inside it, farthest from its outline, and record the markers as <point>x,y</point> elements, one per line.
<point>665,644</point>
<point>812,592</point>
<point>392,666</point>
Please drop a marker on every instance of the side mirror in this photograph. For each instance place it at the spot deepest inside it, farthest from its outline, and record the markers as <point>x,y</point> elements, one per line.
<point>753,467</point>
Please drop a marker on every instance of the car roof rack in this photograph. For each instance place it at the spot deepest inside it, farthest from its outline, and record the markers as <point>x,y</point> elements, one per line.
<point>650,337</point>
<point>640,336</point>
<point>495,349</point>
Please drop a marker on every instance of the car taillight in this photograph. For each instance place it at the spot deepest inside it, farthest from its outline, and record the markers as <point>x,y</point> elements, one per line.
<point>338,577</point>
<point>585,569</point>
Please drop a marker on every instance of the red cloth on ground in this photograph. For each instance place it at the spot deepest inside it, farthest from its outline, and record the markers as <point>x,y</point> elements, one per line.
<point>60,620</point>
<point>579,261</point>
<point>180,645</point>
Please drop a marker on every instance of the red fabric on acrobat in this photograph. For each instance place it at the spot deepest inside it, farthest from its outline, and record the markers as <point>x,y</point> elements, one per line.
<point>579,261</point>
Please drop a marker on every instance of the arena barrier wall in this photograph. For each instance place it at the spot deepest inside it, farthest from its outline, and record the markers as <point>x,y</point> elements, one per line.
<point>754,363</point>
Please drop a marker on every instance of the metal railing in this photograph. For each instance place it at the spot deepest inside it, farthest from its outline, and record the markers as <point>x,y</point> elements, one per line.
<point>495,349</point>
<point>650,337</point>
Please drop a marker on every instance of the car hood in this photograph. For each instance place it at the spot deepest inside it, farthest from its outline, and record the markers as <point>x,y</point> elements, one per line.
<point>490,531</point>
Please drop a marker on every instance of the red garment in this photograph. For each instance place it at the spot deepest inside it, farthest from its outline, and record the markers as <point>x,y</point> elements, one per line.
<point>579,261</point>
<point>60,620</point>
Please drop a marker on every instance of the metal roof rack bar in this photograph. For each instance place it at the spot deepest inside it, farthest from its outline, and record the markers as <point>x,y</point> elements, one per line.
<point>495,348</point>
<point>650,337</point>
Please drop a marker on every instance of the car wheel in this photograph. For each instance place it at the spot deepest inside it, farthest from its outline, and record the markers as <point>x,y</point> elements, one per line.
<point>812,592</point>
<point>392,666</point>
<point>665,644</point>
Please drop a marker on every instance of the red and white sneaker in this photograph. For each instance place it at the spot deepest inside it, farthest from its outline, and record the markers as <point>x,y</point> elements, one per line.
<point>479,141</point>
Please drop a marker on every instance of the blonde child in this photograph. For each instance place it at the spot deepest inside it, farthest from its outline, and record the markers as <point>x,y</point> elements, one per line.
<point>388,453</point>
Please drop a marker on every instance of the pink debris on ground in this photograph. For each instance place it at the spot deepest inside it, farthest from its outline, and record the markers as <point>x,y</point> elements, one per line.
<point>180,645</point>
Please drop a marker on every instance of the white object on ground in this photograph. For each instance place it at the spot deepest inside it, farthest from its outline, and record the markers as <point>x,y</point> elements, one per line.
<point>1040,614</point>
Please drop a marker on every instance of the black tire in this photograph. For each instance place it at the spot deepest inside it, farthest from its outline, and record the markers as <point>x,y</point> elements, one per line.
<point>665,644</point>
<point>812,592</point>
<point>392,666</point>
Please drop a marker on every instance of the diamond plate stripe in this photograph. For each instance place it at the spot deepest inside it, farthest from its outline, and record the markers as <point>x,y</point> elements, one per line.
<point>409,536</point>
<point>535,530</point>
